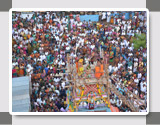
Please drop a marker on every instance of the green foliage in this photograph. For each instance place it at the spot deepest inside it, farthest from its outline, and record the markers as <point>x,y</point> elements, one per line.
<point>139,41</point>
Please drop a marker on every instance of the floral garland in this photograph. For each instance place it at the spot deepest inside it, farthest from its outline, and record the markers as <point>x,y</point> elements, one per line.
<point>105,100</point>
<point>81,96</point>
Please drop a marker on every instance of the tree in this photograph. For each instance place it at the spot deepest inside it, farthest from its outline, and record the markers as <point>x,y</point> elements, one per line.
<point>139,40</point>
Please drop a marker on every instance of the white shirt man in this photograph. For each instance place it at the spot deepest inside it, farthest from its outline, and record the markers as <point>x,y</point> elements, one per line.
<point>63,84</point>
<point>135,64</point>
<point>142,84</point>
<point>136,92</point>
<point>110,68</point>
<point>92,46</point>
<point>29,70</point>
<point>144,88</point>
<point>115,69</point>
<point>119,65</point>
<point>139,75</point>
<point>39,100</point>
<point>56,80</point>
<point>113,101</point>
<point>136,81</point>
<point>119,103</point>
<point>103,15</point>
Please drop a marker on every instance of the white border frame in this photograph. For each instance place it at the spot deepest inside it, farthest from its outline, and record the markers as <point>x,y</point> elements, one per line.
<point>74,113</point>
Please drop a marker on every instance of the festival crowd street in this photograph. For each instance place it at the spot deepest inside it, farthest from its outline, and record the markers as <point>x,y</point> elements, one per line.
<point>42,42</point>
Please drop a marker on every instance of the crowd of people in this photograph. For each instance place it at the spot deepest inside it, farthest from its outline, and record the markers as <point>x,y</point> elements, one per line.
<point>42,42</point>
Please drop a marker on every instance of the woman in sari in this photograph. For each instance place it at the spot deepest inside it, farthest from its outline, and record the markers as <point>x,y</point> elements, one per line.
<point>111,57</point>
<point>21,70</point>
